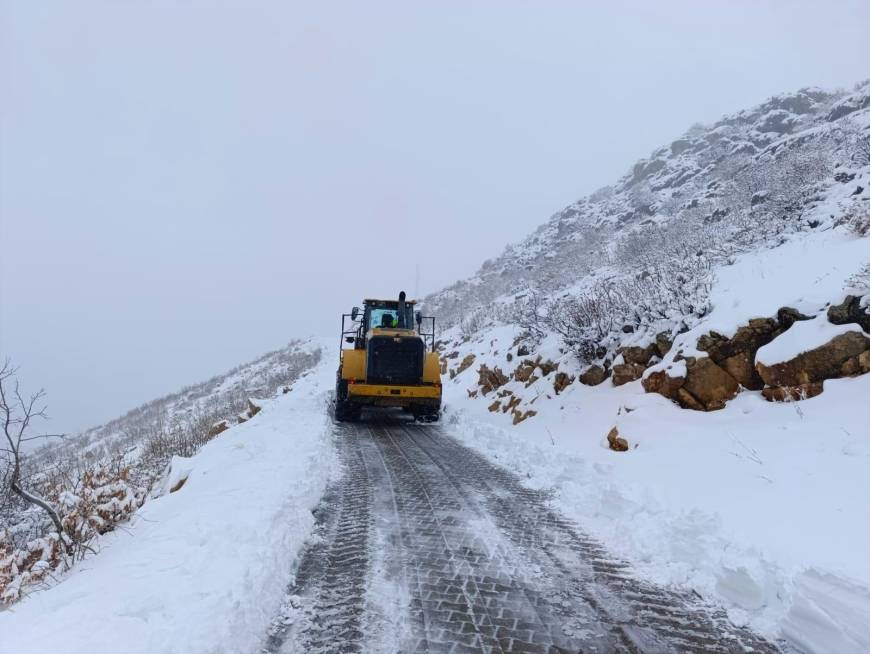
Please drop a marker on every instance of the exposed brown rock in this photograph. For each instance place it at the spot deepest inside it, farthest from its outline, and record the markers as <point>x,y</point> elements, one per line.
<point>594,375</point>
<point>616,442</point>
<point>688,401</point>
<point>627,372</point>
<point>562,381</point>
<point>524,370</point>
<point>546,366</point>
<point>218,427</point>
<point>786,316</point>
<point>178,485</point>
<point>663,343</point>
<point>465,364</point>
<point>489,380</point>
<point>509,357</point>
<point>741,367</point>
<point>849,311</point>
<point>512,404</point>
<point>253,409</point>
<point>792,393</point>
<point>737,354</point>
<point>818,364</point>
<point>663,382</point>
<point>495,406</point>
<point>708,384</point>
<point>638,355</point>
<point>519,416</point>
<point>858,365</point>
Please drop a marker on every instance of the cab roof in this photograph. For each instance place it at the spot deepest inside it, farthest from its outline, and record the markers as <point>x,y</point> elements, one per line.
<point>386,303</point>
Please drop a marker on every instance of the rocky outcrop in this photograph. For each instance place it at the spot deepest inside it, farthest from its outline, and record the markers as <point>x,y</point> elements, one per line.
<point>594,375</point>
<point>736,355</point>
<point>697,384</point>
<point>490,379</point>
<point>665,382</point>
<point>707,384</point>
<point>524,371</point>
<point>663,343</point>
<point>638,355</point>
<point>218,428</point>
<point>850,311</point>
<point>622,373</point>
<point>788,316</point>
<point>464,365</point>
<point>858,365</point>
<point>818,364</point>
<point>519,416</point>
<point>562,381</point>
<point>792,393</point>
<point>616,442</point>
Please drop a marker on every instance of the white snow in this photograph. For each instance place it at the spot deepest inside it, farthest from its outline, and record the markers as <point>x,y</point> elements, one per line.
<point>802,337</point>
<point>804,273</point>
<point>203,569</point>
<point>761,506</point>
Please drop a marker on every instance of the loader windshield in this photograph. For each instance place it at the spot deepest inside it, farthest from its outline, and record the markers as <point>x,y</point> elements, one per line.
<point>384,318</point>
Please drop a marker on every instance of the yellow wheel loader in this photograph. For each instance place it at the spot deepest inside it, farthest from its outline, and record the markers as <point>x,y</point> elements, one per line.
<point>388,359</point>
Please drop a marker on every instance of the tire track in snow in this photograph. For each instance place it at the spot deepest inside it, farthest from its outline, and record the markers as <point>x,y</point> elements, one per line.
<point>426,546</point>
<point>326,602</point>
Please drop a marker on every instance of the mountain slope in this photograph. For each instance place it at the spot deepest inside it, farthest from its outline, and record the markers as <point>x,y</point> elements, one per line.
<point>717,190</point>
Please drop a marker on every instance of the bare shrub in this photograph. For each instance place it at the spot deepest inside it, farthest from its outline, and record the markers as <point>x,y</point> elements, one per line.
<point>473,322</point>
<point>856,221</point>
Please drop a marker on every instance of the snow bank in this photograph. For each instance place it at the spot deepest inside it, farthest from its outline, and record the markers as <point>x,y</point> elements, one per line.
<point>803,336</point>
<point>805,273</point>
<point>760,506</point>
<point>203,569</point>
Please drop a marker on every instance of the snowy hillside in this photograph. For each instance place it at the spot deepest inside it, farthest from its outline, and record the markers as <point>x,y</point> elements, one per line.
<point>796,163</point>
<point>201,569</point>
<point>761,506</point>
<point>652,356</point>
<point>101,477</point>
<point>674,368</point>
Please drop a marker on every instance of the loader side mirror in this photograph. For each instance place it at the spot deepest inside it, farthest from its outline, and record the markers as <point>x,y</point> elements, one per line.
<point>354,313</point>
<point>419,318</point>
<point>349,339</point>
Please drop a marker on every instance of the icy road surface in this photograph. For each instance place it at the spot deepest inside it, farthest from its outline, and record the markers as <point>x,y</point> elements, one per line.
<point>424,546</point>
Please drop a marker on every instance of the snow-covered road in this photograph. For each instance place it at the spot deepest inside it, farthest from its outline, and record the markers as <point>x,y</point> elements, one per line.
<point>422,545</point>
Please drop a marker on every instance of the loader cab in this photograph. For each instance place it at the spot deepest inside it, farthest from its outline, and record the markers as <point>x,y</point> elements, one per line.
<point>377,316</point>
<point>387,314</point>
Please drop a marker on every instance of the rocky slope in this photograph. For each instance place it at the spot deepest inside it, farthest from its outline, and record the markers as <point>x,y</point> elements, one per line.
<point>717,190</point>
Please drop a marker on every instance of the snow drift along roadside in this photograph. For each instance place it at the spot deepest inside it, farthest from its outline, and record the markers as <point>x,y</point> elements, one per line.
<point>203,569</point>
<point>762,507</point>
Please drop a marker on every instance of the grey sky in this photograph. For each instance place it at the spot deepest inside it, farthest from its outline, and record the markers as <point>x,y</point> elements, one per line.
<point>185,185</point>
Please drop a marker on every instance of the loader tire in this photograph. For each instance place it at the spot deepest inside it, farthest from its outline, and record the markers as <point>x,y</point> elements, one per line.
<point>344,410</point>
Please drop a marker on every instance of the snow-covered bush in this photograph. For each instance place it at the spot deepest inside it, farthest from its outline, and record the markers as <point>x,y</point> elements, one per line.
<point>858,222</point>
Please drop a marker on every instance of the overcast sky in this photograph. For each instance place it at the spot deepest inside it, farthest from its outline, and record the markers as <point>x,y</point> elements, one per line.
<point>185,185</point>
